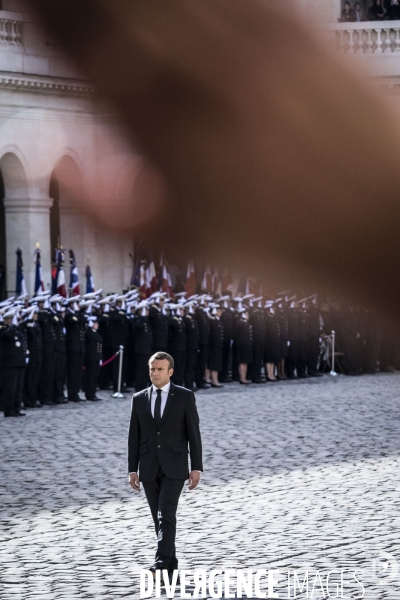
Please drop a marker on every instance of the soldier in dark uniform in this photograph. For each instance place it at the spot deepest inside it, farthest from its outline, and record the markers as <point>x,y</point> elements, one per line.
<point>294,339</point>
<point>257,321</point>
<point>75,346</point>
<point>192,346</point>
<point>119,326</point>
<point>13,362</point>
<point>93,357</point>
<point>46,380</point>
<point>203,323</point>
<point>216,345</point>
<point>177,344</point>
<point>130,351</point>
<point>244,344</point>
<point>273,345</point>
<point>60,351</point>
<point>143,346</point>
<point>303,340</point>
<point>314,333</point>
<point>159,323</point>
<point>282,318</point>
<point>227,317</point>
<point>35,346</point>
<point>105,330</point>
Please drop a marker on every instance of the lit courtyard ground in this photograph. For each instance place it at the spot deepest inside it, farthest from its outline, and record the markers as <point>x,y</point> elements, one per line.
<point>298,475</point>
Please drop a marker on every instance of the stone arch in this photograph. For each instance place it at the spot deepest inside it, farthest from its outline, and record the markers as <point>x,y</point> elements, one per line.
<point>14,177</point>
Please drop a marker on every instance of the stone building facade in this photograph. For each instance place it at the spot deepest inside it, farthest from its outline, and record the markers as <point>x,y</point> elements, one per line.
<point>60,153</point>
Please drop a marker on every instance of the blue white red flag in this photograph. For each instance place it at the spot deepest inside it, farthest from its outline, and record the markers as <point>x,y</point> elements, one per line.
<point>89,281</point>
<point>74,278</point>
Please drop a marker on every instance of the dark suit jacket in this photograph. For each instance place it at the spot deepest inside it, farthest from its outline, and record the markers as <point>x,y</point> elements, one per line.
<point>149,448</point>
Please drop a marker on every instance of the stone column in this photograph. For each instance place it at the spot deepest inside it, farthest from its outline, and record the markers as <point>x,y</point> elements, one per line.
<point>27,222</point>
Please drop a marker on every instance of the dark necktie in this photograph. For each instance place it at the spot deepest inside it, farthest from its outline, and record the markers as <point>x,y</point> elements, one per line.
<point>157,409</point>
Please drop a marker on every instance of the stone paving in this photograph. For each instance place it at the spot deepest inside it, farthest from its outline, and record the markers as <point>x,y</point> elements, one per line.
<point>298,475</point>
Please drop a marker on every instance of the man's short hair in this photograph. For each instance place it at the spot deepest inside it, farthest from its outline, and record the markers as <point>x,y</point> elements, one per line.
<point>162,356</point>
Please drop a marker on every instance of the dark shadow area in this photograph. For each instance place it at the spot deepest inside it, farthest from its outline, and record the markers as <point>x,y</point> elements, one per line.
<point>3,280</point>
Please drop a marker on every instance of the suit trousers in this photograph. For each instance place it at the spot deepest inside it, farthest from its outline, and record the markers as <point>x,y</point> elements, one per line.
<point>12,388</point>
<point>163,496</point>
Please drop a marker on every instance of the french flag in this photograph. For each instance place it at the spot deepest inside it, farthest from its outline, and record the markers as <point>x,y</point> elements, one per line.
<point>73,278</point>
<point>89,281</point>
<point>61,288</point>
<point>190,285</point>
<point>39,285</point>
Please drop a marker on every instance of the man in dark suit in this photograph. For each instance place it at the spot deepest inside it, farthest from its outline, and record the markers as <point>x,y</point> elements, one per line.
<point>164,421</point>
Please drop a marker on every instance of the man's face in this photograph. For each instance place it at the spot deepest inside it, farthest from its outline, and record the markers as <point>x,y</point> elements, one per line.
<point>160,373</point>
<point>8,321</point>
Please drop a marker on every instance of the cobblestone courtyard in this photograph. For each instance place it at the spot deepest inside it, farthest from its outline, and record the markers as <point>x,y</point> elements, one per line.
<point>298,475</point>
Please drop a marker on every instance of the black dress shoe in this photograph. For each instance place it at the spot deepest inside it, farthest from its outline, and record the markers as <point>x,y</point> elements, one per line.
<point>38,404</point>
<point>74,399</point>
<point>21,414</point>
<point>12,413</point>
<point>203,386</point>
<point>48,403</point>
<point>94,399</point>
<point>217,385</point>
<point>271,380</point>
<point>247,382</point>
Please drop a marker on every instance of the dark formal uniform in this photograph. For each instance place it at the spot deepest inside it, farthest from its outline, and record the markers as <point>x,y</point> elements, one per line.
<point>282,318</point>
<point>60,358</point>
<point>143,351</point>
<point>244,342</point>
<point>93,356</point>
<point>119,325</point>
<point>313,340</point>
<point>273,343</point>
<point>46,380</point>
<point>216,344</point>
<point>192,349</point>
<point>130,353</point>
<point>257,320</point>
<point>159,444</point>
<point>13,362</point>
<point>203,323</point>
<point>159,329</point>
<point>32,374</point>
<point>303,343</point>
<point>177,348</point>
<point>75,345</point>
<point>105,330</point>
<point>294,339</point>
<point>227,324</point>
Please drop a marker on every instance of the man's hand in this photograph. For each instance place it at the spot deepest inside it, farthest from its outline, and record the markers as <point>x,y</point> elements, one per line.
<point>134,481</point>
<point>194,479</point>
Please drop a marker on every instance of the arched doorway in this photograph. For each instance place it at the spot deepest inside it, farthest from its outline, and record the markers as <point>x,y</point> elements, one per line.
<point>3,283</point>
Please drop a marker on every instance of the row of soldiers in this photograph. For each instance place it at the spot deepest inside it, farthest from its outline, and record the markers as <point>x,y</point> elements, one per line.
<point>49,343</point>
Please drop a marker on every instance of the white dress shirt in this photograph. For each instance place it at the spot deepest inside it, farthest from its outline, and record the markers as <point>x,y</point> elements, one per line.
<point>164,397</point>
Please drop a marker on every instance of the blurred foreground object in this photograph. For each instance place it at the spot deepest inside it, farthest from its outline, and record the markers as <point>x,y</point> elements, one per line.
<point>277,158</point>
